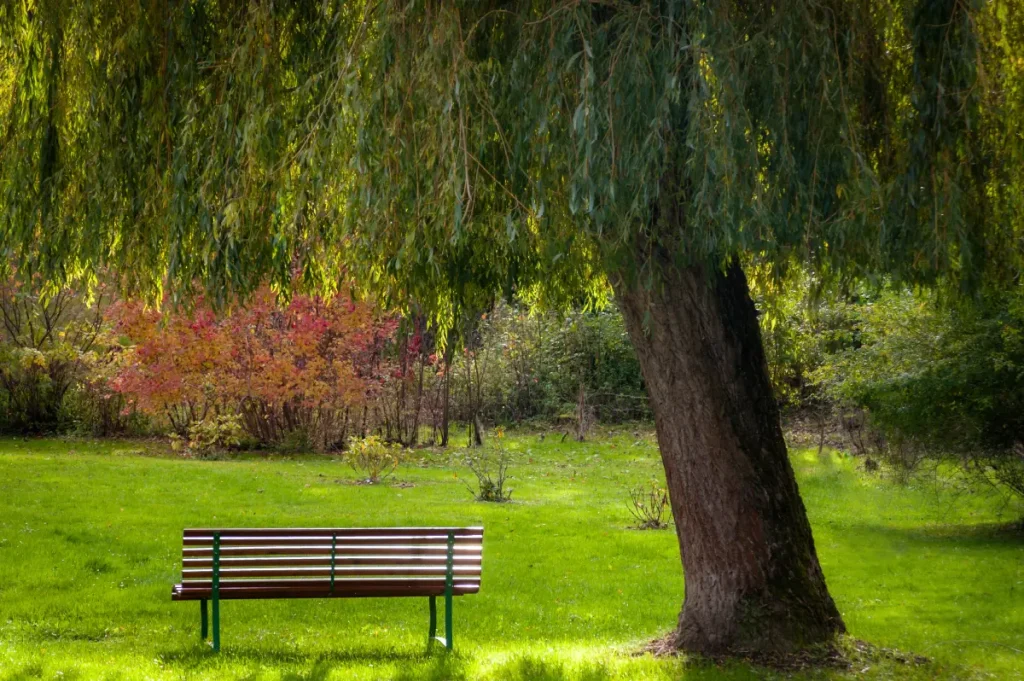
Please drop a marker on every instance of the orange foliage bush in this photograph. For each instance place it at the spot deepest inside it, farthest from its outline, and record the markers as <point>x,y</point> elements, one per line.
<point>300,367</point>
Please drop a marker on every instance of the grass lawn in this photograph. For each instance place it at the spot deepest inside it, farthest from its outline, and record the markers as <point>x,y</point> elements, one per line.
<point>90,544</point>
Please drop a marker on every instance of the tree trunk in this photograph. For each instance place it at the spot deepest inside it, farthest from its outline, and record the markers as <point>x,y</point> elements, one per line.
<point>475,428</point>
<point>447,392</point>
<point>582,423</point>
<point>414,431</point>
<point>403,348</point>
<point>476,433</point>
<point>753,581</point>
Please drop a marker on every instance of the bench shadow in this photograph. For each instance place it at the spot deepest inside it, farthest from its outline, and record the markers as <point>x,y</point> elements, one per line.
<point>200,655</point>
<point>438,668</point>
<point>410,664</point>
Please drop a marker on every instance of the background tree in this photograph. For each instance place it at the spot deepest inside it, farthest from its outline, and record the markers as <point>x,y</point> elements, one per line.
<point>49,345</point>
<point>448,151</point>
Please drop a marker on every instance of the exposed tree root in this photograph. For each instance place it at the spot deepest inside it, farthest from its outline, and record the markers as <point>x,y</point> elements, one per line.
<point>844,653</point>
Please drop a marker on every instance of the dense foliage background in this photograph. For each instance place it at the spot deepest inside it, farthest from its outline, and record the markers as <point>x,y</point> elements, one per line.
<point>907,379</point>
<point>305,373</point>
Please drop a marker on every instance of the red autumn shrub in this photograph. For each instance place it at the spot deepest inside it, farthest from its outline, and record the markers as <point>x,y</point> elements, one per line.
<point>296,370</point>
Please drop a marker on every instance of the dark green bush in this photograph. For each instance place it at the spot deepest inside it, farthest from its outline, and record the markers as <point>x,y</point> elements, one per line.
<point>90,408</point>
<point>524,366</point>
<point>940,381</point>
<point>57,358</point>
<point>802,324</point>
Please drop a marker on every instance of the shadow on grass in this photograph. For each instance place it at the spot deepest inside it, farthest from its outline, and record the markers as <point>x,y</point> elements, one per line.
<point>439,667</point>
<point>528,668</point>
<point>533,668</point>
<point>884,664</point>
<point>31,670</point>
<point>982,535</point>
<point>320,672</point>
<point>414,664</point>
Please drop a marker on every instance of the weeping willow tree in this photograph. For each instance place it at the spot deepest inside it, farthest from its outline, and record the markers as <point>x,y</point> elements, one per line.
<point>445,152</point>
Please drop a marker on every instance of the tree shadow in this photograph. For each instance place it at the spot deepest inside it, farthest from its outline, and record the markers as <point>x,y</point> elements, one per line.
<point>25,672</point>
<point>444,667</point>
<point>530,668</point>
<point>981,535</point>
<point>961,601</point>
<point>438,667</point>
<point>533,668</point>
<point>319,672</point>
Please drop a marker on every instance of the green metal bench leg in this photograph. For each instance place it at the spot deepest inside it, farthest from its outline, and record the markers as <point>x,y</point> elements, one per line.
<point>216,624</point>
<point>432,632</point>
<point>449,578</point>
<point>448,619</point>
<point>216,592</point>
<point>203,619</point>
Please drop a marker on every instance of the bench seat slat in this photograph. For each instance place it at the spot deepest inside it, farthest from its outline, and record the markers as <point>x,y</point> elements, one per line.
<point>320,561</point>
<point>313,581</point>
<point>340,549</point>
<point>365,591</point>
<point>328,531</point>
<point>312,540</point>
<point>227,573</point>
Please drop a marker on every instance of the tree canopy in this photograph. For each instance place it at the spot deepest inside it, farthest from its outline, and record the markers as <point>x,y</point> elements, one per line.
<point>444,151</point>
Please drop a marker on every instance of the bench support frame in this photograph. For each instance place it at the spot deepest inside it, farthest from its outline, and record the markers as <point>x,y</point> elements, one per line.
<point>449,578</point>
<point>215,597</point>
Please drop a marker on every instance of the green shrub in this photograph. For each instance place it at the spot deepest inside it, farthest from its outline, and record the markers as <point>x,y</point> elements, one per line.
<point>490,467</point>
<point>91,409</point>
<point>49,346</point>
<point>295,441</point>
<point>525,365</point>
<point>34,384</point>
<point>212,435</point>
<point>802,323</point>
<point>373,458</point>
<point>939,382</point>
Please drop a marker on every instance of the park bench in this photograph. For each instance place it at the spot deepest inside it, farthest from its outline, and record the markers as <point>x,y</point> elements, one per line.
<point>363,562</point>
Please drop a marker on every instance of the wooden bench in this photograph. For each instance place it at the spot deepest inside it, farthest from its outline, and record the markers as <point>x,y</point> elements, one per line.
<point>363,562</point>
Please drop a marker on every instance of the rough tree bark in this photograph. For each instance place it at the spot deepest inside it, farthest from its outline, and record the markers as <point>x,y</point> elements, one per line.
<point>753,581</point>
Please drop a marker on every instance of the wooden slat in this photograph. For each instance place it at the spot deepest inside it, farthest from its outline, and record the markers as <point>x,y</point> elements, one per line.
<point>316,561</point>
<point>245,540</point>
<point>321,592</point>
<point>337,531</point>
<point>326,583</point>
<point>350,583</point>
<point>340,549</point>
<point>431,570</point>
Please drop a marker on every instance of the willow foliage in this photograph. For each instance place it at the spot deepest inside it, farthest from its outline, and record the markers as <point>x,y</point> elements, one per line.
<point>447,150</point>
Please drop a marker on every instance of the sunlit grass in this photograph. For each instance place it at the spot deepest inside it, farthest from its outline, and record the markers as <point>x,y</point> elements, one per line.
<point>90,544</point>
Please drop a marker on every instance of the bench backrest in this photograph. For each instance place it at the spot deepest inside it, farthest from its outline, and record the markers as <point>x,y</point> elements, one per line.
<point>325,562</point>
